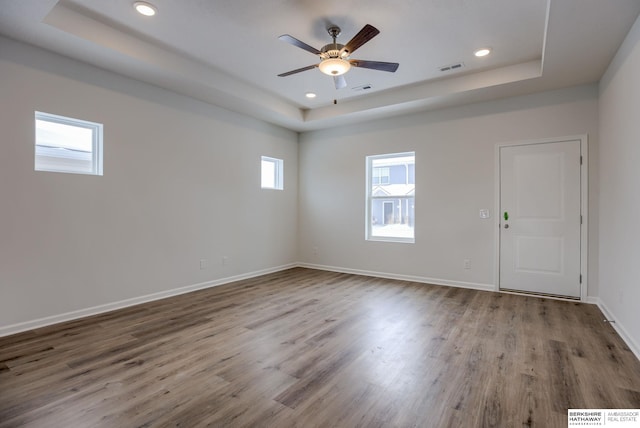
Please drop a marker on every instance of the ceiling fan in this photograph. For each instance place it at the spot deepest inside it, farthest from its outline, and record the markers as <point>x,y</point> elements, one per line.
<point>334,57</point>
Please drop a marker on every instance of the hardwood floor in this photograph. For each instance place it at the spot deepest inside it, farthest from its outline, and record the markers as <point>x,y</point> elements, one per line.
<point>305,348</point>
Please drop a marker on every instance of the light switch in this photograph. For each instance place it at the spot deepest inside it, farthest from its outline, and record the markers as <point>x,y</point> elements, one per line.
<point>484,213</point>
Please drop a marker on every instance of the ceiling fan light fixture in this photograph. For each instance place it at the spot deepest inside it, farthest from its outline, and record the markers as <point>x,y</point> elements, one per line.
<point>144,8</point>
<point>334,66</point>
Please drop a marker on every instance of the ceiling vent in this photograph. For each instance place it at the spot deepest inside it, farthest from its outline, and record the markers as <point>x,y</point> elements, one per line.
<point>363,87</point>
<point>452,67</point>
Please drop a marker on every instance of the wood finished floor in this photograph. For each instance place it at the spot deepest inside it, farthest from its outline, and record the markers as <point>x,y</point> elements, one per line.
<point>306,348</point>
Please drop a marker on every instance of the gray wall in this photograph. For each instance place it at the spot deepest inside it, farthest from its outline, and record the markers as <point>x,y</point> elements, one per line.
<point>181,183</point>
<point>620,189</point>
<point>455,178</point>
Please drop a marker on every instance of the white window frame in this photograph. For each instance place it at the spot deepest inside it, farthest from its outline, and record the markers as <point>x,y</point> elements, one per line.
<point>278,173</point>
<point>96,144</point>
<point>370,198</point>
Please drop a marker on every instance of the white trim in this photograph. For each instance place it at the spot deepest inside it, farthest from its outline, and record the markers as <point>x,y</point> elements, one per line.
<point>584,205</point>
<point>584,212</point>
<point>619,328</point>
<point>95,310</point>
<point>498,216</point>
<point>400,277</point>
<point>592,300</point>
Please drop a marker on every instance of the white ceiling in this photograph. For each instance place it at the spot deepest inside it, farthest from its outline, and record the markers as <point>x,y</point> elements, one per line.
<point>227,52</point>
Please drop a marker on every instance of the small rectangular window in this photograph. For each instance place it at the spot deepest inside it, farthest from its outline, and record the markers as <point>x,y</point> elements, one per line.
<point>391,187</point>
<point>64,144</point>
<point>381,175</point>
<point>272,173</point>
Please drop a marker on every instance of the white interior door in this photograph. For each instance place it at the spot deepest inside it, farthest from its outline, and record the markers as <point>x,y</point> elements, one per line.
<point>540,200</point>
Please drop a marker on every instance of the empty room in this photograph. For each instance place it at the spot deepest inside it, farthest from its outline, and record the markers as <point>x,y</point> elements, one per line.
<point>319,214</point>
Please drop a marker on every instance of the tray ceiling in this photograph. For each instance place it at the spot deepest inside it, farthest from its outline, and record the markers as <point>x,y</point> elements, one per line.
<point>227,52</point>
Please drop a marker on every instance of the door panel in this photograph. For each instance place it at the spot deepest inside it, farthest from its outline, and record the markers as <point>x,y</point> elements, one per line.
<point>538,187</point>
<point>540,233</point>
<point>539,254</point>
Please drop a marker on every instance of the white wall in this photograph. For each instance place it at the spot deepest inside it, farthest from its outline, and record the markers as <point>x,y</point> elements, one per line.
<point>620,188</point>
<point>181,183</point>
<point>455,177</point>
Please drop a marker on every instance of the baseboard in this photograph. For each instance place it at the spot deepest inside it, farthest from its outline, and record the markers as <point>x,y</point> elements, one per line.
<point>413,278</point>
<point>619,328</point>
<point>592,300</point>
<point>95,310</point>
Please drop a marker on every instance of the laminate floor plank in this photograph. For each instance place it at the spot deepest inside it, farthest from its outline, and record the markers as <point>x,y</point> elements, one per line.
<point>307,348</point>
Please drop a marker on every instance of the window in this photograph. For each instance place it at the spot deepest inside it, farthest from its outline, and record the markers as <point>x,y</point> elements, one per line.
<point>272,173</point>
<point>391,186</point>
<point>67,145</point>
<point>381,175</point>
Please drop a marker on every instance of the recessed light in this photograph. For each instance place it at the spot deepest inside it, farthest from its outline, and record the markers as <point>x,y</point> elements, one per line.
<point>144,8</point>
<point>482,52</point>
<point>310,95</point>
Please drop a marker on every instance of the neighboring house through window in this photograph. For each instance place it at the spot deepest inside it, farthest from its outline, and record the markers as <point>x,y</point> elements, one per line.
<point>391,197</point>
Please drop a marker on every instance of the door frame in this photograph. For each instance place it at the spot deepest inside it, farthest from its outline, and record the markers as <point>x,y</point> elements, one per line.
<point>584,205</point>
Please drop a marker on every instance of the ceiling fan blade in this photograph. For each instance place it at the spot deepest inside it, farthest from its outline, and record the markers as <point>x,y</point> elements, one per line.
<point>295,42</point>
<point>340,81</point>
<point>367,33</point>
<point>298,70</point>
<point>375,65</point>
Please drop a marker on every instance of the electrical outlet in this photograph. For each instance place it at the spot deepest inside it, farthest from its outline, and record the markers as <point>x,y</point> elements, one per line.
<point>466,263</point>
<point>225,260</point>
<point>315,251</point>
<point>203,263</point>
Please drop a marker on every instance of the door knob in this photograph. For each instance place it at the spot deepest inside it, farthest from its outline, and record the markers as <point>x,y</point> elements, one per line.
<point>506,226</point>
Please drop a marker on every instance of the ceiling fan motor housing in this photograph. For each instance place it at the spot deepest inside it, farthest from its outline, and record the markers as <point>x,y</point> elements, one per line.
<point>334,51</point>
